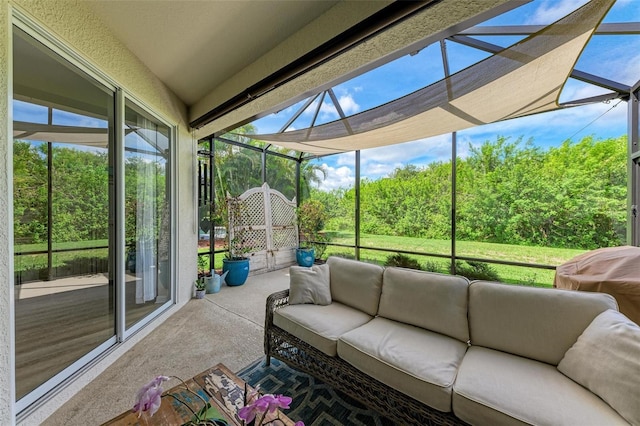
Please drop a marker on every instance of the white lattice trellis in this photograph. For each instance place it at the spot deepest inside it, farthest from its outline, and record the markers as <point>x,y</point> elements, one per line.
<point>267,222</point>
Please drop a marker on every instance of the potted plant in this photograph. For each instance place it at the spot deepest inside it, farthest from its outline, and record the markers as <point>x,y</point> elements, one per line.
<point>201,287</point>
<point>204,277</point>
<point>311,218</point>
<point>235,263</point>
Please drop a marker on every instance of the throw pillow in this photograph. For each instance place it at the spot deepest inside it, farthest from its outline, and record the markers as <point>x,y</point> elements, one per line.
<point>309,285</point>
<point>606,360</point>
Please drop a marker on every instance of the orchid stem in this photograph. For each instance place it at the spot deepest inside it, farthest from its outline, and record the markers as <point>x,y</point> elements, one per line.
<point>195,393</point>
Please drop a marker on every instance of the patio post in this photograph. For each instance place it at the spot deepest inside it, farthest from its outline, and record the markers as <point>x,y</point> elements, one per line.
<point>633,168</point>
<point>357,206</point>
<point>49,207</point>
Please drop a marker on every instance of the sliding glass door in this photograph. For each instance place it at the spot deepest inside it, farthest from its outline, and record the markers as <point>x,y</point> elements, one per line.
<point>147,220</point>
<point>63,142</point>
<point>92,222</point>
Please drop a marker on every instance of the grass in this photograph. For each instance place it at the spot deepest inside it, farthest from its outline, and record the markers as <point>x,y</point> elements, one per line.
<point>217,259</point>
<point>39,261</point>
<point>508,252</point>
<point>481,250</point>
<point>61,246</point>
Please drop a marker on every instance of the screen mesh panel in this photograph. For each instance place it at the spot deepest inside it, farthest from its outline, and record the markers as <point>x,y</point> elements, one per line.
<point>523,79</point>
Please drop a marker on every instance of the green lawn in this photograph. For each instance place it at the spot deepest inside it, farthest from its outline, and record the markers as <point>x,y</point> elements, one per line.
<point>61,246</point>
<point>39,261</point>
<point>509,252</point>
<point>510,274</point>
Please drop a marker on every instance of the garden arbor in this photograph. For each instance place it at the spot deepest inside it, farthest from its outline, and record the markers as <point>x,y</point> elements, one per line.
<point>460,100</point>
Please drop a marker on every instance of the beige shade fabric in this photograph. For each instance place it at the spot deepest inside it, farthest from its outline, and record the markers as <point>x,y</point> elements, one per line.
<point>89,136</point>
<point>523,79</point>
<point>611,270</point>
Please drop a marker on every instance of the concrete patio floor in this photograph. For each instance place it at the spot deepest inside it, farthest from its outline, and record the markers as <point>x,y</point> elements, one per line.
<point>224,327</point>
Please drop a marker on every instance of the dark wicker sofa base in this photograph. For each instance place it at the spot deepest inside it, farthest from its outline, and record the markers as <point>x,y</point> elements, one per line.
<point>379,397</point>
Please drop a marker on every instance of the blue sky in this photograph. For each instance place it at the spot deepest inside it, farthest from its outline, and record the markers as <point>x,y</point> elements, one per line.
<point>614,57</point>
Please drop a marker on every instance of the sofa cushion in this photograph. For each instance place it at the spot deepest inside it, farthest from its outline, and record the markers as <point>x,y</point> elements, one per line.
<point>536,323</point>
<point>356,284</point>
<point>319,326</point>
<point>423,299</point>
<point>496,388</point>
<point>309,285</point>
<point>606,360</point>
<point>417,362</point>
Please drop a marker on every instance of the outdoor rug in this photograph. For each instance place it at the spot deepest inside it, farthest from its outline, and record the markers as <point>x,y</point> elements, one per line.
<point>314,402</point>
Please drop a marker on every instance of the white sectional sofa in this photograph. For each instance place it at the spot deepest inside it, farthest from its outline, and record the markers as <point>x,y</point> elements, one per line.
<point>425,348</point>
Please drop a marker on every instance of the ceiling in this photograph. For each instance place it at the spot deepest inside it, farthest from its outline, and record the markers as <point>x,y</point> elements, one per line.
<point>212,53</point>
<point>194,46</point>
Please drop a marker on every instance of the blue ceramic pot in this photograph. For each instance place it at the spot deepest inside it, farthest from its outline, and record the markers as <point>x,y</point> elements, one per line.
<point>238,271</point>
<point>305,256</point>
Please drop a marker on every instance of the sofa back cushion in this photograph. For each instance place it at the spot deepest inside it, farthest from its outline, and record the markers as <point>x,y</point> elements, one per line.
<point>435,302</point>
<point>537,323</point>
<point>356,284</point>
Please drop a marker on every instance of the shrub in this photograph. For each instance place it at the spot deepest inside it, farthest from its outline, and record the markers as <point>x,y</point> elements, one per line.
<point>402,261</point>
<point>434,266</point>
<point>476,271</point>
<point>345,255</point>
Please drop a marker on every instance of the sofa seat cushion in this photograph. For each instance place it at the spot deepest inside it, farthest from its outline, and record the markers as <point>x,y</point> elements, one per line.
<point>417,362</point>
<point>497,388</point>
<point>319,325</point>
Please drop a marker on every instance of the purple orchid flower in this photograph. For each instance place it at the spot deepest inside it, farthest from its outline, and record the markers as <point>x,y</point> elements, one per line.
<point>279,401</point>
<point>149,396</point>
<point>263,404</point>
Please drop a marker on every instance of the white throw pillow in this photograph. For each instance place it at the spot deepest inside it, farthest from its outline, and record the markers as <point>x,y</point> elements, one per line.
<point>606,360</point>
<point>310,285</point>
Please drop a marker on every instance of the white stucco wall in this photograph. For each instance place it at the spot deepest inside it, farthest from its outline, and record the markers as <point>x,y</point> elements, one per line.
<point>73,23</point>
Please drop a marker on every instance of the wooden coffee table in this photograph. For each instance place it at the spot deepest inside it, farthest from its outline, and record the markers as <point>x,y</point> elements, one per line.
<point>217,385</point>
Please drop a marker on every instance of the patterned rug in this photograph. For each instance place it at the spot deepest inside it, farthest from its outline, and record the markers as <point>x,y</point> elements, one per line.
<point>314,402</point>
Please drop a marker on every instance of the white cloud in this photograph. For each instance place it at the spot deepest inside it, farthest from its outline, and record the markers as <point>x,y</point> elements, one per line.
<point>437,147</point>
<point>328,111</point>
<point>575,90</point>
<point>348,104</point>
<point>627,67</point>
<point>552,10</point>
<point>559,125</point>
<point>340,177</point>
<point>346,159</point>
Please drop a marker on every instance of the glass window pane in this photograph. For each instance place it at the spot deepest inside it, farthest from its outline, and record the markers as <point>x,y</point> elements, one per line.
<point>64,295</point>
<point>147,213</point>
<point>405,196</point>
<point>540,203</point>
<point>281,174</point>
<point>236,170</point>
<point>328,183</point>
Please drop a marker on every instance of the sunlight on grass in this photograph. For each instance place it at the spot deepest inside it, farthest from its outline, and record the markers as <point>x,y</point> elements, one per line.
<point>510,274</point>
